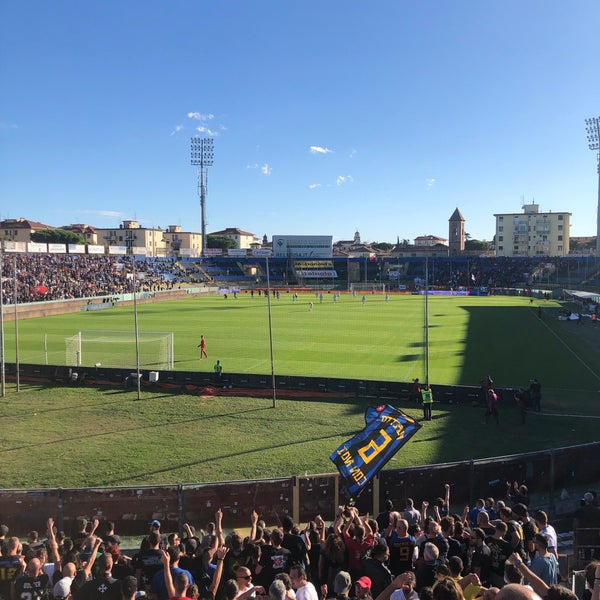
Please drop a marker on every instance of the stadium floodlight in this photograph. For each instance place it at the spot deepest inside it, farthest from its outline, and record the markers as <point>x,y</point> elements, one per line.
<point>201,156</point>
<point>592,127</point>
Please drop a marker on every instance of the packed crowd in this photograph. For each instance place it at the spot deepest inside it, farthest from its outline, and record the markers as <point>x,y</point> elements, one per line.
<point>65,276</point>
<point>490,550</point>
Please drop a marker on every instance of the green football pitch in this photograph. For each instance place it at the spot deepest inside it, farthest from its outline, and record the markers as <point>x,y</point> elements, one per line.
<point>469,337</point>
<point>79,436</point>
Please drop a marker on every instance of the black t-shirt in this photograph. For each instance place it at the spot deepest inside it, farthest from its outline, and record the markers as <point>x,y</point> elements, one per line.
<point>482,558</point>
<point>100,588</point>
<point>500,550</point>
<point>9,567</point>
<point>148,562</point>
<point>295,544</point>
<point>31,588</point>
<point>273,561</point>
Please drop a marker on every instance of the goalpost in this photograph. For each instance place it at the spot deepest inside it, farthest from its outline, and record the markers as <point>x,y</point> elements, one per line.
<point>379,288</point>
<point>90,347</point>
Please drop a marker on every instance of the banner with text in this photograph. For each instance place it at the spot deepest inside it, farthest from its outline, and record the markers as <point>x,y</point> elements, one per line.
<point>363,456</point>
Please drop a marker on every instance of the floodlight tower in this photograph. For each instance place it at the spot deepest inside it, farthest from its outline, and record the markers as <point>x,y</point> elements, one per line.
<point>592,126</point>
<point>202,157</point>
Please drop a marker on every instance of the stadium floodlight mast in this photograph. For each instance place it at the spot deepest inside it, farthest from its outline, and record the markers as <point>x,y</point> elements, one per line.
<point>592,127</point>
<point>202,154</point>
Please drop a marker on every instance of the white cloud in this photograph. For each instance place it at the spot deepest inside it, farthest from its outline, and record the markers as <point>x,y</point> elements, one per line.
<point>253,166</point>
<point>352,153</point>
<point>266,169</point>
<point>342,179</point>
<point>312,186</point>
<point>4,125</point>
<point>320,150</point>
<point>200,117</point>
<point>177,129</point>
<point>430,183</point>
<point>207,130</point>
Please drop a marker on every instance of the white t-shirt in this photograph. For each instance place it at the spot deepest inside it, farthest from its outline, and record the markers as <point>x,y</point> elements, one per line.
<point>550,533</point>
<point>400,595</point>
<point>307,592</point>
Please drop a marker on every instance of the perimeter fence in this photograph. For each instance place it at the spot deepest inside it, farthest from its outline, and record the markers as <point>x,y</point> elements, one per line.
<point>555,478</point>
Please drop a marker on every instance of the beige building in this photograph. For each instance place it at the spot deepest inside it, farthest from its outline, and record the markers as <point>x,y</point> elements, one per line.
<point>86,231</point>
<point>429,241</point>
<point>243,239</point>
<point>131,235</point>
<point>20,230</point>
<point>532,233</point>
<point>182,243</point>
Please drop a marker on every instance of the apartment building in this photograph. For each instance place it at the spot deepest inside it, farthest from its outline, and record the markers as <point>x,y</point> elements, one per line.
<point>532,233</point>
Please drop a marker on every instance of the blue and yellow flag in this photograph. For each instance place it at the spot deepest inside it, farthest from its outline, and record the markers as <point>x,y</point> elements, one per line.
<point>363,456</point>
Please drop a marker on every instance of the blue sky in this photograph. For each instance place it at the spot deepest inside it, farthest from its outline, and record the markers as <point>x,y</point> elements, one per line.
<point>327,116</point>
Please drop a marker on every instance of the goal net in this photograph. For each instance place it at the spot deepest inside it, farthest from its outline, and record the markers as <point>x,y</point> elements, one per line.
<point>376,288</point>
<point>116,349</point>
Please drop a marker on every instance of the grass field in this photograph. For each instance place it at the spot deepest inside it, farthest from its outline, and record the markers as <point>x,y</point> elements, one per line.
<point>73,436</point>
<point>81,437</point>
<point>469,337</point>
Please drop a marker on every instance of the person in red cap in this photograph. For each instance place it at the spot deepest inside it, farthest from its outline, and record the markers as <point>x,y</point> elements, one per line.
<point>362,588</point>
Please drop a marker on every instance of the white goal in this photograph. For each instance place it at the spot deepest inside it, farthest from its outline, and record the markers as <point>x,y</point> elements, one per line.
<point>116,349</point>
<point>377,288</point>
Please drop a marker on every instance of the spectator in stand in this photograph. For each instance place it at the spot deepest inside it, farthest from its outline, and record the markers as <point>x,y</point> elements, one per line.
<point>433,535</point>
<point>517,493</point>
<point>104,585</point>
<point>11,566</point>
<point>491,509</point>
<point>425,572</point>
<point>305,590</point>
<point>277,590</point>
<point>148,561</point>
<point>500,550</point>
<point>375,569</point>
<point>545,564</point>
<point>407,591</point>
<point>384,518</point>
<point>403,547</point>
<point>129,588</point>
<point>481,559</point>
<point>588,514</point>
<point>158,587</point>
<point>362,588</point>
<point>411,514</point>
<point>33,584</point>
<point>296,544</point>
<point>483,522</point>
<point>541,520</point>
<point>333,557</point>
<point>528,528</point>
<point>474,512</point>
<point>447,529</point>
<point>357,542</point>
<point>274,559</point>
<point>110,537</point>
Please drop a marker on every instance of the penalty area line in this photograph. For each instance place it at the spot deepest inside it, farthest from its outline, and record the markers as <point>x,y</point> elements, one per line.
<point>571,350</point>
<point>571,416</point>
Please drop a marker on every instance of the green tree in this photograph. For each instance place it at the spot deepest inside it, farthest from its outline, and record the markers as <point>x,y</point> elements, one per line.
<point>220,241</point>
<point>57,236</point>
<point>480,245</point>
<point>382,246</point>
